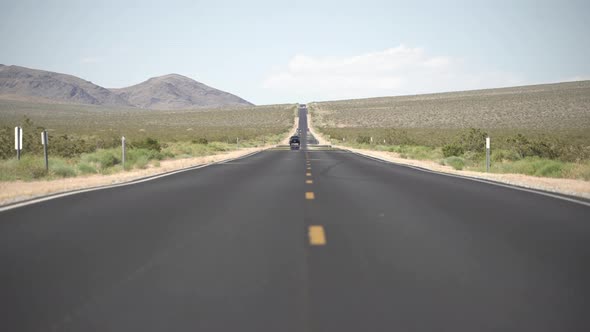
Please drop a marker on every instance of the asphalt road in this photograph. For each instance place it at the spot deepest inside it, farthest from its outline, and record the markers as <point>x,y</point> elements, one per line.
<point>309,240</point>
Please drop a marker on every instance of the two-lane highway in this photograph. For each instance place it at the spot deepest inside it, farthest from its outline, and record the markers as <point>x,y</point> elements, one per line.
<point>309,240</point>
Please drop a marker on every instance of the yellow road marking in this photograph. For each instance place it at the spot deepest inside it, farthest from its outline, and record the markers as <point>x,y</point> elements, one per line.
<point>309,181</point>
<point>308,174</point>
<point>317,236</point>
<point>309,195</point>
<point>309,168</point>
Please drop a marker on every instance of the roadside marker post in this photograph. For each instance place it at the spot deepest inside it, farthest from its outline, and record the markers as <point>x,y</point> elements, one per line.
<point>487,154</point>
<point>18,141</point>
<point>45,142</point>
<point>123,151</point>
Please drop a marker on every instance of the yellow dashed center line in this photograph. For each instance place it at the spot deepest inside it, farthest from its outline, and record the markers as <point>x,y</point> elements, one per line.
<point>309,168</point>
<point>317,236</point>
<point>309,195</point>
<point>308,174</point>
<point>309,181</point>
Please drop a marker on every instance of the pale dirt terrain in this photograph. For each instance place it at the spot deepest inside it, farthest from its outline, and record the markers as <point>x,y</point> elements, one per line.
<point>578,188</point>
<point>15,191</point>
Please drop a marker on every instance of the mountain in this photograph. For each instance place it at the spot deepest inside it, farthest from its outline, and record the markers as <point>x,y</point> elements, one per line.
<point>25,83</point>
<point>177,92</point>
<point>164,92</point>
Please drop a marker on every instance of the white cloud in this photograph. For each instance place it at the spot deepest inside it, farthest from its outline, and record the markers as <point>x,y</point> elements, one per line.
<point>394,71</point>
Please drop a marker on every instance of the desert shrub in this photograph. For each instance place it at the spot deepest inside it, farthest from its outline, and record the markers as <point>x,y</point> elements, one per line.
<point>217,146</point>
<point>135,154</point>
<point>103,158</point>
<point>533,166</point>
<point>456,162</point>
<point>6,143</point>
<point>31,139</point>
<point>64,171</point>
<point>200,140</point>
<point>142,162</point>
<point>502,155</point>
<point>86,168</point>
<point>452,149</point>
<point>574,152</point>
<point>542,147</point>
<point>416,152</point>
<point>473,140</point>
<point>473,157</point>
<point>363,139</point>
<point>38,172</point>
<point>29,167</point>
<point>549,168</point>
<point>396,136</point>
<point>577,171</point>
<point>148,143</point>
<point>140,158</point>
<point>68,146</point>
<point>61,168</point>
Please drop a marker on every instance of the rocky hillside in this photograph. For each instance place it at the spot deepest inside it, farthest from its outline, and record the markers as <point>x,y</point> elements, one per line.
<point>164,92</point>
<point>177,92</point>
<point>25,83</point>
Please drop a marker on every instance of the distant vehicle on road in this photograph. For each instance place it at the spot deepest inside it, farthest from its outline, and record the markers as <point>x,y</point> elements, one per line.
<point>294,142</point>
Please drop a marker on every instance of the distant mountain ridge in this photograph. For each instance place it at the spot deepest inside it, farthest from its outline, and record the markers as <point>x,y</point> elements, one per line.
<point>165,92</point>
<point>175,91</point>
<point>26,82</point>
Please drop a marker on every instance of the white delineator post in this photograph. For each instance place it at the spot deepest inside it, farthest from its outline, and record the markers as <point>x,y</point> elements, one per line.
<point>45,141</point>
<point>18,141</point>
<point>487,154</point>
<point>123,151</point>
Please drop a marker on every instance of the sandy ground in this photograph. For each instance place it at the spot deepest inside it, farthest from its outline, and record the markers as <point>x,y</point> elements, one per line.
<point>578,188</point>
<point>16,191</point>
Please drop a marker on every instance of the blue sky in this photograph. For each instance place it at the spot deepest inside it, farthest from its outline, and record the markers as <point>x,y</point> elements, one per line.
<point>300,51</point>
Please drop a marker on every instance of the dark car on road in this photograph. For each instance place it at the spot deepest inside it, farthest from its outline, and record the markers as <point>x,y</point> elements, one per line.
<point>294,142</point>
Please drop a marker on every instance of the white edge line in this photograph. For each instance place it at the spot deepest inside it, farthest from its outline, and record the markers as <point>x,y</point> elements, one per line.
<point>505,185</point>
<point>109,186</point>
